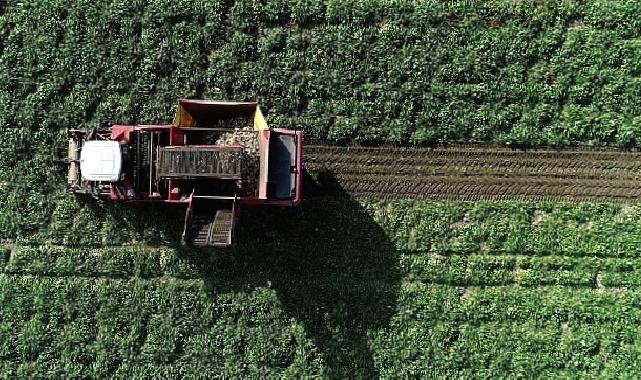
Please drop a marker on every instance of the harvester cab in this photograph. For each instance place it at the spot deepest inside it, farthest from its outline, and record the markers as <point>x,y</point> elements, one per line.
<point>214,158</point>
<point>101,161</point>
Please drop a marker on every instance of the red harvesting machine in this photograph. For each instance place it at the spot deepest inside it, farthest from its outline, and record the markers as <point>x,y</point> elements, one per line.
<point>215,157</point>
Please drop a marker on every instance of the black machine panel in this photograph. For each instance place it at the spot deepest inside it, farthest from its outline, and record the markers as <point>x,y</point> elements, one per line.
<point>281,182</point>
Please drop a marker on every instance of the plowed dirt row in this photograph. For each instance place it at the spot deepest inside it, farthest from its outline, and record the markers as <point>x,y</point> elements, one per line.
<point>473,173</point>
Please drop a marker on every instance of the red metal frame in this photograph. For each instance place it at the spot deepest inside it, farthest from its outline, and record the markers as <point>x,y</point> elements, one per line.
<point>176,138</point>
<point>299,176</point>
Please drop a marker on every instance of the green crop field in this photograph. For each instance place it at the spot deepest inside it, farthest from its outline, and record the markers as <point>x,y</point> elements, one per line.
<point>339,287</point>
<point>412,71</point>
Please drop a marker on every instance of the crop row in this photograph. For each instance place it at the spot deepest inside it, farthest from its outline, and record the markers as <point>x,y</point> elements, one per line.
<point>422,72</point>
<point>528,228</point>
<point>115,262</point>
<point>457,243</point>
<point>88,327</point>
<point>30,295</point>
<point>430,267</point>
<point>120,262</point>
<point>494,349</point>
<point>482,270</point>
<point>82,327</point>
<point>482,243</point>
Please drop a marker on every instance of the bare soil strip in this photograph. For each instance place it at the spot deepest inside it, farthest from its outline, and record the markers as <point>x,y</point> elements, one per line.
<point>473,173</point>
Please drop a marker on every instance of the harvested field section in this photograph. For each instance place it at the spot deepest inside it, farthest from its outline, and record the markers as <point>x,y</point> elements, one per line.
<point>473,173</point>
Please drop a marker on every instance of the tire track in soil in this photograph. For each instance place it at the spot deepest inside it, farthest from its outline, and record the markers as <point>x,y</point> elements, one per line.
<point>474,173</point>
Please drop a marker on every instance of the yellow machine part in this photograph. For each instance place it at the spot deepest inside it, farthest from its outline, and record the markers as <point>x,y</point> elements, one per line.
<point>184,118</point>
<point>259,120</point>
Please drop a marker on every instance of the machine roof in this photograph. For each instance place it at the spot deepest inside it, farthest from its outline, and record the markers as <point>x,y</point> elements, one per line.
<point>101,160</point>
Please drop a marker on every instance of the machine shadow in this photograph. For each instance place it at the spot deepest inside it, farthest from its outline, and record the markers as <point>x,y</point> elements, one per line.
<point>332,266</point>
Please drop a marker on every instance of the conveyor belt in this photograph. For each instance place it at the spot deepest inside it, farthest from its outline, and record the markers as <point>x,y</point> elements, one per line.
<point>208,161</point>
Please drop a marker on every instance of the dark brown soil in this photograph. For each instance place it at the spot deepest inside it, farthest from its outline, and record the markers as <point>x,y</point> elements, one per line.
<point>474,173</point>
